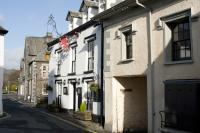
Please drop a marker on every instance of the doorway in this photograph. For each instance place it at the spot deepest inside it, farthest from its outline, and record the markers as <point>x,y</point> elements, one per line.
<point>59,93</point>
<point>74,96</point>
<point>79,92</point>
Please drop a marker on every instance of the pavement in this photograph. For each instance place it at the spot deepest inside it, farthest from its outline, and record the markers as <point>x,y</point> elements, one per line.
<point>23,118</point>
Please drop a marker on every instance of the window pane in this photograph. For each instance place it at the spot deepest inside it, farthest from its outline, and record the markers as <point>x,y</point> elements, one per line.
<point>73,54</point>
<point>176,36</point>
<point>176,29</point>
<point>186,26</point>
<point>73,66</point>
<point>90,55</point>
<point>181,39</point>
<point>188,53</point>
<point>129,51</point>
<point>187,34</point>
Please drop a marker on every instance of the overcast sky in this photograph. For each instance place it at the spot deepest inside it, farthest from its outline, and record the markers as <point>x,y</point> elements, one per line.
<point>29,18</point>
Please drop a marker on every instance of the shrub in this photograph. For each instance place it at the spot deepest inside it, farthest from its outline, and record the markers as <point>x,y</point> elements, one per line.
<point>83,107</point>
<point>94,87</point>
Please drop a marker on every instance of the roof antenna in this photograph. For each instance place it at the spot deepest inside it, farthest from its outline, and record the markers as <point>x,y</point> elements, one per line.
<point>51,22</point>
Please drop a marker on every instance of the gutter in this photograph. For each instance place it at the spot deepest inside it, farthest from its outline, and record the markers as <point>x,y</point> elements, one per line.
<point>150,76</point>
<point>102,75</point>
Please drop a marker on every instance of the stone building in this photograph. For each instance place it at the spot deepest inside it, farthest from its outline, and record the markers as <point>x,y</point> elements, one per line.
<point>151,66</point>
<point>3,32</point>
<point>34,56</point>
<point>38,76</point>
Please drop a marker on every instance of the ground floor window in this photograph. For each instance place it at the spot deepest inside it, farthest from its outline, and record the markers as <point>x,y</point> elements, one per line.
<point>44,89</point>
<point>181,105</point>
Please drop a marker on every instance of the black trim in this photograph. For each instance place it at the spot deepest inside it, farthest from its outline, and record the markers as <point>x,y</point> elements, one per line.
<point>58,49</point>
<point>3,31</point>
<point>102,77</point>
<point>58,80</point>
<point>72,80</point>
<point>57,75</point>
<point>85,78</point>
<point>71,74</point>
<point>93,37</point>
<point>74,44</point>
<point>88,72</point>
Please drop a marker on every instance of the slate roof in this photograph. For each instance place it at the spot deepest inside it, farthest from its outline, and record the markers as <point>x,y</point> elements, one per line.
<point>88,3</point>
<point>3,31</point>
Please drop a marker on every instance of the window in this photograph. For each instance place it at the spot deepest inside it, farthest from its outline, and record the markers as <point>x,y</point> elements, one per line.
<point>58,62</point>
<point>181,105</point>
<point>44,71</point>
<point>44,89</point>
<point>177,37</point>
<point>58,68</point>
<point>65,90</point>
<point>127,41</point>
<point>73,59</point>
<point>90,55</point>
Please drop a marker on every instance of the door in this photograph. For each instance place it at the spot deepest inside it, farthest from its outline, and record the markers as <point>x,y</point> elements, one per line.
<point>74,103</point>
<point>59,92</point>
<point>89,98</point>
<point>79,91</point>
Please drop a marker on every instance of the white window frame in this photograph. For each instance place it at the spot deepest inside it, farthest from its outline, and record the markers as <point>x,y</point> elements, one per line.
<point>124,49</point>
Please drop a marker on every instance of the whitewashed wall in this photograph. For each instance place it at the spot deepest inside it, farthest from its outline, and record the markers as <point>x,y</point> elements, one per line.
<point>1,70</point>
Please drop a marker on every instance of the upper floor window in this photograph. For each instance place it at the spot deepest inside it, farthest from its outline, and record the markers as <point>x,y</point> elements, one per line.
<point>127,42</point>
<point>58,62</point>
<point>90,55</point>
<point>73,59</point>
<point>44,71</point>
<point>177,38</point>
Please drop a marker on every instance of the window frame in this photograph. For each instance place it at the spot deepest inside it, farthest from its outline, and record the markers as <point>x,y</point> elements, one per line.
<point>90,46</point>
<point>65,92</point>
<point>44,72</point>
<point>168,54</point>
<point>73,61</point>
<point>126,31</point>
<point>44,87</point>
<point>59,62</point>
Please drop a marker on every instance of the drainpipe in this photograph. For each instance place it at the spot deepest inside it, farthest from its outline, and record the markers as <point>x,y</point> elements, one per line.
<point>150,80</point>
<point>102,75</point>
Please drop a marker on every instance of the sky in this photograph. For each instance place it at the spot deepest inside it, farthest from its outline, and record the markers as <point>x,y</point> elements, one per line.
<point>24,18</point>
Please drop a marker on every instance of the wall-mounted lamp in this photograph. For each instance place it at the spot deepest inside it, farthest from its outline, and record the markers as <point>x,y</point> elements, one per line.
<point>78,81</point>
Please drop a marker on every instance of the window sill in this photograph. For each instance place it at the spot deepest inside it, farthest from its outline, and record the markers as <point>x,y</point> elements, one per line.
<point>178,62</point>
<point>71,74</point>
<point>88,72</point>
<point>170,130</point>
<point>125,61</point>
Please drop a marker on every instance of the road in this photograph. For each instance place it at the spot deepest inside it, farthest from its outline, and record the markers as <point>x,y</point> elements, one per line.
<point>23,119</point>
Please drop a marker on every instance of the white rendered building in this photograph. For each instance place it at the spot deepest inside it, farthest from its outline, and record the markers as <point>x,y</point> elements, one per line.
<point>2,33</point>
